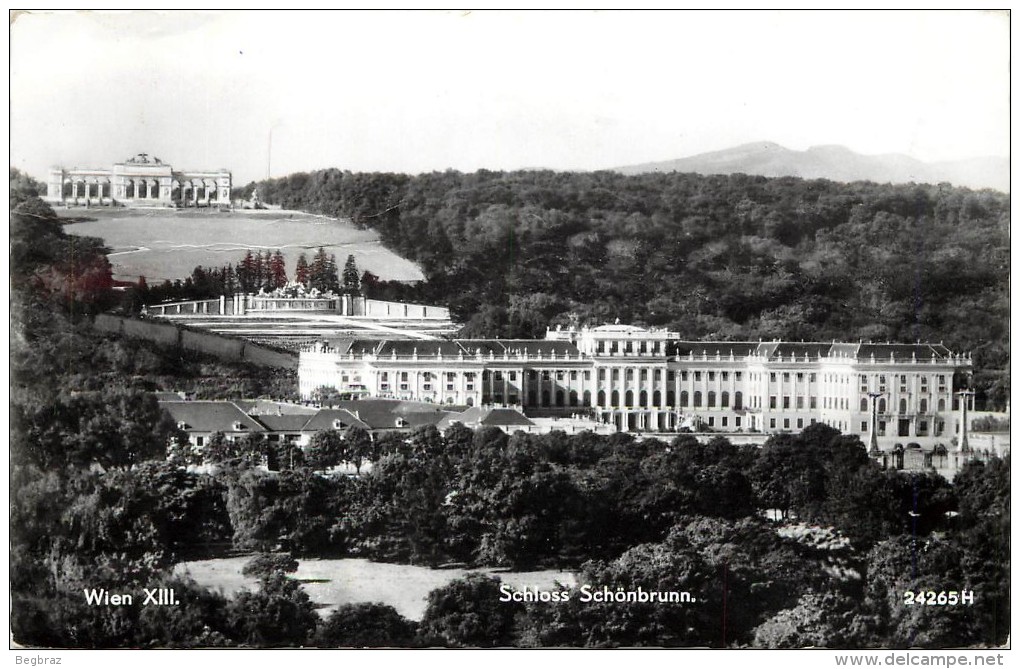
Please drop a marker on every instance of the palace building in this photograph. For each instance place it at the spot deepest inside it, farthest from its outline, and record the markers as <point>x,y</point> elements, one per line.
<point>139,181</point>
<point>652,380</point>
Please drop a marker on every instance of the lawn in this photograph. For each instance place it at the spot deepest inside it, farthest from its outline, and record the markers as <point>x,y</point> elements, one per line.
<point>330,583</point>
<point>166,244</point>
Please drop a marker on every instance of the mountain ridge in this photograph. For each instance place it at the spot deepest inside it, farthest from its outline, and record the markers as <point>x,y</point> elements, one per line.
<point>836,163</point>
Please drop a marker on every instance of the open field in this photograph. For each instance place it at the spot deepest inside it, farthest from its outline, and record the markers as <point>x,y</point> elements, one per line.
<point>331,583</point>
<point>164,244</point>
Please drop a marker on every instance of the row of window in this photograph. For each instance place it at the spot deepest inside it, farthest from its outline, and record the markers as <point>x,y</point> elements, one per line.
<point>922,405</point>
<point>922,380</point>
<point>627,346</point>
<point>903,428</point>
<point>774,376</point>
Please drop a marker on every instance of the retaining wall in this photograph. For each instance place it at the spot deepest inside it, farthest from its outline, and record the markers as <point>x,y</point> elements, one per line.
<point>169,334</point>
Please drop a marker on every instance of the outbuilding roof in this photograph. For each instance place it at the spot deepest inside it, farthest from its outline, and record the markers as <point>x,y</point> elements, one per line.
<point>212,416</point>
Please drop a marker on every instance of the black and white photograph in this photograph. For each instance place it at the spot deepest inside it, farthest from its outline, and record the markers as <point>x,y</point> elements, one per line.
<point>477,329</point>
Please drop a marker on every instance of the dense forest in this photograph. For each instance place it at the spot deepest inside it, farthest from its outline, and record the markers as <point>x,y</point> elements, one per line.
<point>99,500</point>
<point>732,257</point>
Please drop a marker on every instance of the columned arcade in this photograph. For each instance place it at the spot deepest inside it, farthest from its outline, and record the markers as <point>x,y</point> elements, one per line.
<point>139,181</point>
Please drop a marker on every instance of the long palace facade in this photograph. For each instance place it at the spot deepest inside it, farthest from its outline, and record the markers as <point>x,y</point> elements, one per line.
<point>652,380</point>
<point>141,180</point>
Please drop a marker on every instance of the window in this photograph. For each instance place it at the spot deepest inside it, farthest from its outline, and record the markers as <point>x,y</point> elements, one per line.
<point>199,441</point>
<point>786,376</point>
<point>725,399</point>
<point>724,421</point>
<point>532,375</point>
<point>772,423</point>
<point>923,406</point>
<point>711,376</point>
<point>513,399</point>
<point>711,398</point>
<point>559,376</point>
<point>451,376</point>
<point>942,405</point>
<point>800,423</point>
<point>587,375</point>
<point>573,376</point>
<point>738,375</point>
<point>683,376</point>
<point>786,423</point>
<point>814,402</point>
<point>922,427</point>
<point>903,406</point>
<point>736,421</point>
<point>629,374</point>
<point>384,376</point>
<point>711,421</point>
<point>602,375</point>
<point>497,375</point>
<point>643,374</point>
<point>738,401</point>
<point>800,401</point>
<point>864,404</point>
<point>772,402</point>
<point>786,401</point>
<point>864,426</point>
<point>449,386</point>
<point>697,376</point>
<point>697,398</point>
<point>684,397</point>
<point>545,374</point>
<point>772,377</point>
<point>513,376</point>
<point>427,386</point>
<point>725,376</point>
<point>800,376</point>
<point>403,386</point>
<point>670,375</point>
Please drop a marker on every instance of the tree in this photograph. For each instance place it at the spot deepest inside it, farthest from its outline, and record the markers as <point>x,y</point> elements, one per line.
<point>302,271</point>
<point>277,271</point>
<point>828,620</point>
<point>468,613</point>
<point>332,278</point>
<point>278,614</point>
<point>366,625</point>
<point>265,564</point>
<point>245,272</point>
<point>351,278</point>
<point>318,272</point>
<point>327,449</point>
<point>358,446</point>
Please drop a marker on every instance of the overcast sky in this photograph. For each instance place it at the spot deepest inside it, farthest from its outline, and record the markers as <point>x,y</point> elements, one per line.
<point>422,91</point>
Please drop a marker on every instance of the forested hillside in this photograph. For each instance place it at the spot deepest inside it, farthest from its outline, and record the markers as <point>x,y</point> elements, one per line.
<point>735,257</point>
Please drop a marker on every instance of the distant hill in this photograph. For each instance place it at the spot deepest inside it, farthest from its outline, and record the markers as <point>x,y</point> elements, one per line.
<point>836,163</point>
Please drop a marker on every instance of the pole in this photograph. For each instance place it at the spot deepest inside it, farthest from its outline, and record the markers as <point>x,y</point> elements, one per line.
<point>874,450</point>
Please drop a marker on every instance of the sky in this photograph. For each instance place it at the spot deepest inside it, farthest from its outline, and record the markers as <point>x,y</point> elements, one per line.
<point>407,91</point>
